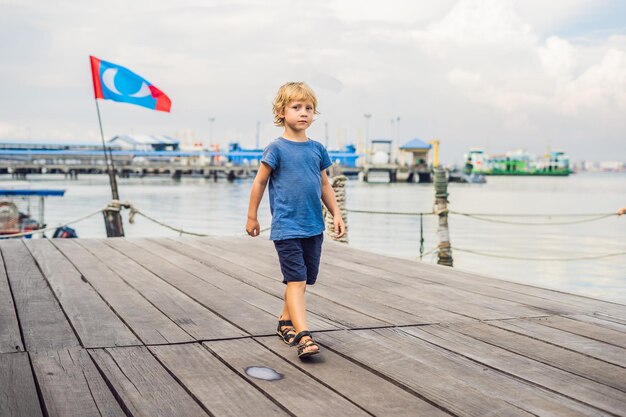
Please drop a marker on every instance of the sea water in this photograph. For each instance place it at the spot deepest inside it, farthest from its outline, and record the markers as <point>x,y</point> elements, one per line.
<point>220,208</point>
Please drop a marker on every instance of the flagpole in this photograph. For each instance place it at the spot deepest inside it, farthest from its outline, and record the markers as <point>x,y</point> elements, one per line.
<point>112,217</point>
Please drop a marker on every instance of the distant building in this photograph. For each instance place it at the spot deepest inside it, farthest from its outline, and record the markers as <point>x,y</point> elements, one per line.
<point>612,166</point>
<point>418,149</point>
<point>145,142</point>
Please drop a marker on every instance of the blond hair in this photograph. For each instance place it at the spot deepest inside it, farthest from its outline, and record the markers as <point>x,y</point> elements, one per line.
<point>289,92</point>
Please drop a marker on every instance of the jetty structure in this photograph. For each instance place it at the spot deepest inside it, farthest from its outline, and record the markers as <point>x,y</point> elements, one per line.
<point>141,155</point>
<point>185,327</point>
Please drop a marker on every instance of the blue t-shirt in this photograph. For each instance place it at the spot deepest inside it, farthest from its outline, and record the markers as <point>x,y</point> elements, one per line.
<point>295,187</point>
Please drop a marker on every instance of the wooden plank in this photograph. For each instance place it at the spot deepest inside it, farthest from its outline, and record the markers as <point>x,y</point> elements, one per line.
<point>222,391</point>
<point>146,321</point>
<point>270,269</point>
<point>455,301</point>
<point>315,304</point>
<point>10,336</point>
<point>593,394</point>
<point>460,389</point>
<point>592,331</point>
<point>197,320</point>
<point>227,304</point>
<point>142,385</point>
<point>251,309</point>
<point>410,273</point>
<point>593,348</point>
<point>298,392</point>
<point>18,395</point>
<point>373,393</point>
<point>428,300</point>
<point>600,321</point>
<point>43,323</point>
<point>406,277</point>
<point>577,303</point>
<point>94,322</point>
<point>574,362</point>
<point>71,385</point>
<point>220,282</point>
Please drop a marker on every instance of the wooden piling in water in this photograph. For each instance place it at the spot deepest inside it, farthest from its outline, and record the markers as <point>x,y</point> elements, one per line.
<point>441,206</point>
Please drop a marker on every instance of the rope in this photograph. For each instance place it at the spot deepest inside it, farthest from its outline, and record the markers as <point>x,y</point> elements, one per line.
<point>536,214</point>
<point>134,211</point>
<point>522,258</point>
<point>479,217</point>
<point>428,252</point>
<point>398,213</point>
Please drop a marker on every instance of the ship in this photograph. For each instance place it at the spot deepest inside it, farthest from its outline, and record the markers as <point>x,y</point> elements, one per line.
<point>517,163</point>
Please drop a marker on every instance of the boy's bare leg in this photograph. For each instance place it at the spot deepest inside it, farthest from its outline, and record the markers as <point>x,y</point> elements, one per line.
<point>284,315</point>
<point>294,300</point>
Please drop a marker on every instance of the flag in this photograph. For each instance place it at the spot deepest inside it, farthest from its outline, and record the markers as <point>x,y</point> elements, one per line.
<point>114,82</point>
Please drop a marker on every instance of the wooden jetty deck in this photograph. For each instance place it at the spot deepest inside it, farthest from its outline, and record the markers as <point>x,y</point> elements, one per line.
<point>168,327</point>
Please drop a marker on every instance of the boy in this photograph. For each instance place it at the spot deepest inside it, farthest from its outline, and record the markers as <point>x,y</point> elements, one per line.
<point>296,169</point>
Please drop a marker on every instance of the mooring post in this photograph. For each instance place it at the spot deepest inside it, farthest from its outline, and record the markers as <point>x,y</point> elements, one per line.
<point>441,206</point>
<point>113,219</point>
<point>339,186</point>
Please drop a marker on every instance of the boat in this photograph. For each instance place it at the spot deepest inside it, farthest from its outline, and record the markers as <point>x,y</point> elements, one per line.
<point>15,220</point>
<point>518,163</point>
<point>456,175</point>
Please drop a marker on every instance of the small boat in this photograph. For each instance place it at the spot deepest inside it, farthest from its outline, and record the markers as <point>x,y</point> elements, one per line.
<point>457,175</point>
<point>15,220</point>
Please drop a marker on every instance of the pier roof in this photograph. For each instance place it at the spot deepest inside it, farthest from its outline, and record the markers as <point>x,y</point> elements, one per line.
<point>415,144</point>
<point>154,141</point>
<point>185,327</point>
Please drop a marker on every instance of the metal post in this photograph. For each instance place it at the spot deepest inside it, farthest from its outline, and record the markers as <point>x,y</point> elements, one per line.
<point>441,205</point>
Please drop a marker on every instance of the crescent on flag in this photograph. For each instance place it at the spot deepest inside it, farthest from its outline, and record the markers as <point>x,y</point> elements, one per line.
<point>108,78</point>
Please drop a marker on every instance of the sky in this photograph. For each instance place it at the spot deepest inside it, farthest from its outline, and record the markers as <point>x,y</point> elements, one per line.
<point>494,74</point>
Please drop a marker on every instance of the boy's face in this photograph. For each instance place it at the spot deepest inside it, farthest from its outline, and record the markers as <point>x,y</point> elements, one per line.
<point>298,115</point>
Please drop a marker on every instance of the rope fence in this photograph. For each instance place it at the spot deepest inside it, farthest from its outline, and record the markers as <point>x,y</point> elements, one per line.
<point>587,218</point>
<point>525,258</point>
<point>133,211</point>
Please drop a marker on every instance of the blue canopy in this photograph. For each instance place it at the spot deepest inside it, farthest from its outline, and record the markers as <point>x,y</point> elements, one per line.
<point>39,193</point>
<point>416,144</point>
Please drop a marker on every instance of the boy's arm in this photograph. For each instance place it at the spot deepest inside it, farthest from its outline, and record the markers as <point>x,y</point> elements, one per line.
<point>329,200</point>
<point>258,188</point>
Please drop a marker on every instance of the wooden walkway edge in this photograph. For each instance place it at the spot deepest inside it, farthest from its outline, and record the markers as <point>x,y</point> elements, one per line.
<point>168,327</point>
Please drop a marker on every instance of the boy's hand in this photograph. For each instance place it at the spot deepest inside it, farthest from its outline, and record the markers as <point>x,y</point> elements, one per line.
<point>340,227</point>
<point>252,227</point>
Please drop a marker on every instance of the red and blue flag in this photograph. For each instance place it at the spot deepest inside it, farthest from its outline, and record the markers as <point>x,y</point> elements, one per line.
<point>114,82</point>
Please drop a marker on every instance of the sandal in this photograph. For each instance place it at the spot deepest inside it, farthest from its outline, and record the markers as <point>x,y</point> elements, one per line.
<point>304,345</point>
<point>288,333</point>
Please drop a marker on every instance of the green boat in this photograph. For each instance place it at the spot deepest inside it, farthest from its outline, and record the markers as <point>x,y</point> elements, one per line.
<point>517,163</point>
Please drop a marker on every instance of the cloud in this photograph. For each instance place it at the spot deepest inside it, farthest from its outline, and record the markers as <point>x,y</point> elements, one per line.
<point>484,22</point>
<point>558,57</point>
<point>461,70</point>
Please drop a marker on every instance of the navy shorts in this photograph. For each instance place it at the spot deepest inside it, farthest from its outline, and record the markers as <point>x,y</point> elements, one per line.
<point>300,258</point>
